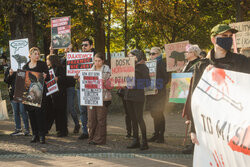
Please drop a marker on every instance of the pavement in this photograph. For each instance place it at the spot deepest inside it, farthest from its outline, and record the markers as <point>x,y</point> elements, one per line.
<point>69,151</point>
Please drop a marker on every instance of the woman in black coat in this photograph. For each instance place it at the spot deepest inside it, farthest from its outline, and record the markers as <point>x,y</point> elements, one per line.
<point>59,99</point>
<point>135,99</point>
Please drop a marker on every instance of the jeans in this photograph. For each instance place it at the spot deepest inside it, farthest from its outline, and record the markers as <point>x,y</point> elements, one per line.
<point>19,109</point>
<point>83,114</point>
<point>71,105</point>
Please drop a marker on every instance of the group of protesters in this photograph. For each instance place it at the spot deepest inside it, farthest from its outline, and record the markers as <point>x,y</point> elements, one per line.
<point>54,108</point>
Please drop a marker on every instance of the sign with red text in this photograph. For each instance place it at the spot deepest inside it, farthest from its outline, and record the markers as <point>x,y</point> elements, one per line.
<point>123,71</point>
<point>60,32</point>
<point>243,34</point>
<point>91,88</point>
<point>175,55</point>
<point>152,66</point>
<point>220,108</point>
<point>78,61</point>
<point>51,84</point>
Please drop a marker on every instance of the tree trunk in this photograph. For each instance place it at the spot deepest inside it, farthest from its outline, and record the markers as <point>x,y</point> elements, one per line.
<point>108,33</point>
<point>239,11</point>
<point>125,29</point>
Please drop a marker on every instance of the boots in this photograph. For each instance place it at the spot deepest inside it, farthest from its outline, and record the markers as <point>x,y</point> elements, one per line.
<point>35,138</point>
<point>42,139</point>
<point>160,139</point>
<point>134,144</point>
<point>144,145</point>
<point>154,137</point>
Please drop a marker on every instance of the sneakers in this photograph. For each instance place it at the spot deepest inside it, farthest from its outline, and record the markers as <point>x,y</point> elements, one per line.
<point>76,129</point>
<point>83,136</point>
<point>17,133</point>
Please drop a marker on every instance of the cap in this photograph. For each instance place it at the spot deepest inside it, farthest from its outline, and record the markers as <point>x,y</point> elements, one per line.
<point>221,28</point>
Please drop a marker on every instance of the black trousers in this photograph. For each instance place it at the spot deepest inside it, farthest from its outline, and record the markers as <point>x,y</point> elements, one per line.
<point>128,120</point>
<point>135,110</point>
<point>37,120</point>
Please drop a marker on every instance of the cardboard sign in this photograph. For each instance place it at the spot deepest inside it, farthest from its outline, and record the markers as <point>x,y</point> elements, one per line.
<point>179,87</point>
<point>243,36</point>
<point>3,110</point>
<point>175,55</point>
<point>220,108</point>
<point>29,88</point>
<point>19,53</point>
<point>91,88</point>
<point>152,66</point>
<point>60,32</point>
<point>117,55</point>
<point>51,84</point>
<point>123,71</point>
<point>78,61</point>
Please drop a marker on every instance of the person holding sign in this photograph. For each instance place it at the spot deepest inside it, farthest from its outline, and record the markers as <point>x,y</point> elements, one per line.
<point>220,57</point>
<point>59,99</point>
<point>36,114</point>
<point>155,103</point>
<point>134,96</point>
<point>97,115</point>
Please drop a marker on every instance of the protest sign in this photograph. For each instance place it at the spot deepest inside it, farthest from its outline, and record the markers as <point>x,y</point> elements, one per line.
<point>60,32</point>
<point>175,55</point>
<point>3,110</point>
<point>78,61</point>
<point>91,88</point>
<point>19,53</point>
<point>51,84</point>
<point>179,87</point>
<point>123,71</point>
<point>152,66</point>
<point>220,108</point>
<point>243,36</point>
<point>29,88</point>
<point>117,55</point>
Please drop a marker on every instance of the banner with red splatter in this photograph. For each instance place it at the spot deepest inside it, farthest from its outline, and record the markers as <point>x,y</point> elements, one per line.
<point>220,108</point>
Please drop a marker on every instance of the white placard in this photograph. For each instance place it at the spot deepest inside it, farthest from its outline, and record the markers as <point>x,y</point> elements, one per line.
<point>51,84</point>
<point>220,108</point>
<point>19,53</point>
<point>91,88</point>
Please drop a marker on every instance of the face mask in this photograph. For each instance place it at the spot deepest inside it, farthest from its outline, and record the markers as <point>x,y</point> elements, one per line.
<point>225,43</point>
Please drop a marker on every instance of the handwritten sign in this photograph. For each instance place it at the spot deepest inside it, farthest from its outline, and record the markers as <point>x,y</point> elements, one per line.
<point>152,66</point>
<point>175,55</point>
<point>51,84</point>
<point>78,61</point>
<point>19,53</point>
<point>91,88</point>
<point>243,36</point>
<point>123,71</point>
<point>60,32</point>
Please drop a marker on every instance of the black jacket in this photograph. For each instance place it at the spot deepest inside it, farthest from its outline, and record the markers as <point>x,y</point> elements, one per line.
<point>10,80</point>
<point>142,79</point>
<point>232,61</point>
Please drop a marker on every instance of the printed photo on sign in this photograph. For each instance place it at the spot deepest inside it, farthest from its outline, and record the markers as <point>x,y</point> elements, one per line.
<point>220,108</point>
<point>175,55</point>
<point>123,71</point>
<point>33,88</point>
<point>51,84</point>
<point>78,61</point>
<point>19,85</point>
<point>19,53</point>
<point>60,32</point>
<point>152,66</point>
<point>91,88</point>
<point>179,87</point>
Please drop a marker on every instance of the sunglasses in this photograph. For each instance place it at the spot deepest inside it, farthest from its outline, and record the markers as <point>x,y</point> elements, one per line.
<point>152,54</point>
<point>85,45</point>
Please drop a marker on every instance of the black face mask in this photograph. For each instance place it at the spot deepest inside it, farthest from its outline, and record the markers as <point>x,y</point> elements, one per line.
<point>225,43</point>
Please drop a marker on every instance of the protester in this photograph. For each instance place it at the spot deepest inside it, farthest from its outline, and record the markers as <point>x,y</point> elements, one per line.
<point>97,115</point>
<point>135,99</point>
<point>220,57</point>
<point>156,103</point>
<point>203,54</point>
<point>18,107</point>
<point>59,99</point>
<point>37,114</point>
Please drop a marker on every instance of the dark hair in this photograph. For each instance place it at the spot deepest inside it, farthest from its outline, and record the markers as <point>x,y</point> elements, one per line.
<point>203,54</point>
<point>138,53</point>
<point>54,60</point>
<point>89,40</point>
<point>100,55</point>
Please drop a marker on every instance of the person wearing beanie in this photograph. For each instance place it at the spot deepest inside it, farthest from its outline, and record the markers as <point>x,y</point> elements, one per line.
<point>220,57</point>
<point>135,99</point>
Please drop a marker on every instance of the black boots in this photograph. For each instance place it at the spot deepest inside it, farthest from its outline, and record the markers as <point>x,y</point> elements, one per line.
<point>35,139</point>
<point>153,138</point>
<point>158,138</point>
<point>144,145</point>
<point>134,144</point>
<point>42,139</point>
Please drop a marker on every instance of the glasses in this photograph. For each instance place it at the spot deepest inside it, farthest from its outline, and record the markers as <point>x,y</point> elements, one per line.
<point>85,45</point>
<point>152,54</point>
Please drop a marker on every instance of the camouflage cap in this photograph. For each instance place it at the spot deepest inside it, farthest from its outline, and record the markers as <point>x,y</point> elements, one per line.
<point>221,28</point>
